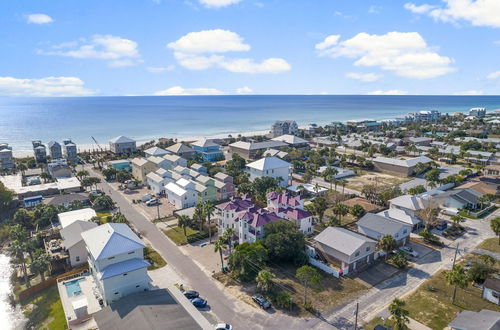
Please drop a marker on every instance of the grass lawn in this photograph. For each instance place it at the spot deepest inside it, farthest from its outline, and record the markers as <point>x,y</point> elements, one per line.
<point>376,321</point>
<point>103,216</point>
<point>48,313</point>
<point>431,303</point>
<point>330,292</point>
<point>176,234</point>
<point>154,258</point>
<point>490,244</point>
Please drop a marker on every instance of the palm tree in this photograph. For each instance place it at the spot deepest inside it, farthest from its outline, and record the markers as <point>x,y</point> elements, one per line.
<point>495,226</point>
<point>387,243</point>
<point>264,280</point>
<point>228,236</point>
<point>45,176</point>
<point>17,249</point>
<point>457,219</point>
<point>340,210</point>
<point>399,314</point>
<point>22,167</point>
<point>40,264</point>
<point>219,247</point>
<point>458,278</point>
<point>343,183</point>
<point>183,221</point>
<point>82,174</point>
<point>198,214</point>
<point>209,210</point>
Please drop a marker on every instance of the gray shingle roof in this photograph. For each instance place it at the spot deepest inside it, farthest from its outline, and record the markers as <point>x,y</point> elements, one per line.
<point>380,224</point>
<point>342,240</point>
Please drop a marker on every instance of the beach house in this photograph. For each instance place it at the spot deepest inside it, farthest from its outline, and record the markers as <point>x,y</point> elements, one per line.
<point>141,167</point>
<point>6,159</point>
<point>254,150</point>
<point>282,127</point>
<point>55,150</point>
<point>377,226</point>
<point>73,241</point>
<point>399,166</point>
<point>292,141</point>
<point>181,193</point>
<point>272,167</point>
<point>155,151</point>
<point>122,145</point>
<point>70,151</point>
<point>291,208</point>
<point>182,150</point>
<point>225,186</point>
<point>39,151</point>
<point>208,149</point>
<point>174,160</point>
<point>116,260</point>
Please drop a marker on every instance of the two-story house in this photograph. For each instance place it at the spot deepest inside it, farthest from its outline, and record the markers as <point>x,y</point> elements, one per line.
<point>272,167</point>
<point>181,193</point>
<point>291,208</point>
<point>122,145</point>
<point>141,167</point>
<point>376,227</point>
<point>225,186</point>
<point>116,260</point>
<point>208,149</point>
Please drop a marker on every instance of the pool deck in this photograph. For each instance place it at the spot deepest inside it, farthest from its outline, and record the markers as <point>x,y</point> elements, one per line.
<point>89,290</point>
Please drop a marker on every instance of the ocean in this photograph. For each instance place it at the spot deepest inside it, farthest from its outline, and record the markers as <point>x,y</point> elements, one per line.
<point>147,117</point>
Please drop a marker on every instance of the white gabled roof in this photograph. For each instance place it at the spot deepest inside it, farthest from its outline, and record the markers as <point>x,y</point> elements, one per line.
<point>205,143</point>
<point>155,177</point>
<point>290,139</point>
<point>179,148</point>
<point>72,234</point>
<point>342,240</point>
<point>139,161</point>
<point>268,163</point>
<point>400,215</point>
<point>67,218</point>
<point>410,162</point>
<point>121,139</point>
<point>156,151</point>
<point>111,239</point>
<point>410,202</point>
<point>175,189</point>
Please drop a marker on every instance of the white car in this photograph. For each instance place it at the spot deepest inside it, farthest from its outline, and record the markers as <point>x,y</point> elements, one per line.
<point>223,326</point>
<point>152,201</point>
<point>409,250</point>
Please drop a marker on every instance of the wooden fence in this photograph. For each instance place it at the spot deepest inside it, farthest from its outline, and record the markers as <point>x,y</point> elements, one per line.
<point>48,282</point>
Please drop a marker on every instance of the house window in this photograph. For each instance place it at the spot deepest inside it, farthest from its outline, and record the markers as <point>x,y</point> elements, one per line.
<point>368,248</point>
<point>131,252</point>
<point>125,274</point>
<point>77,258</point>
<point>137,286</point>
<point>397,235</point>
<point>116,292</point>
<point>356,254</point>
<point>405,231</point>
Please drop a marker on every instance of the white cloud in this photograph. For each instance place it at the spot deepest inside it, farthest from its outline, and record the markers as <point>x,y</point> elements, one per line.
<point>178,90</point>
<point>218,3</point>
<point>364,77</point>
<point>203,50</point>
<point>388,92</point>
<point>329,41</point>
<point>244,90</point>
<point>405,53</point>
<point>476,12</point>
<point>374,9</point>
<point>160,69</point>
<point>493,75</point>
<point>422,9</point>
<point>118,51</point>
<point>49,86</point>
<point>39,19</point>
<point>471,92</point>
<point>209,41</point>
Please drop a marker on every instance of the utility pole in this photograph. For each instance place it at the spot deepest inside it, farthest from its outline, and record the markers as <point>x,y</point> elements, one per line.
<point>356,320</point>
<point>158,209</point>
<point>455,257</point>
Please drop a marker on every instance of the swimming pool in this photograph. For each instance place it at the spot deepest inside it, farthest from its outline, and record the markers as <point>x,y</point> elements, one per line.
<point>73,287</point>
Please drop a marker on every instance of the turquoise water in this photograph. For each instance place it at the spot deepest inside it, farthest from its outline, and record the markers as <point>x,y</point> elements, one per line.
<point>73,287</point>
<point>148,117</point>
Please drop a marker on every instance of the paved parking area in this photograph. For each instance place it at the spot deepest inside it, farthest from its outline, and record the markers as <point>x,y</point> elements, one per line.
<point>376,273</point>
<point>151,212</point>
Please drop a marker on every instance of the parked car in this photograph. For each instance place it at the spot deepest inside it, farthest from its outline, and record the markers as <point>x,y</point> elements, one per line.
<point>152,201</point>
<point>261,301</point>
<point>442,225</point>
<point>409,250</point>
<point>223,326</point>
<point>191,294</point>
<point>199,302</point>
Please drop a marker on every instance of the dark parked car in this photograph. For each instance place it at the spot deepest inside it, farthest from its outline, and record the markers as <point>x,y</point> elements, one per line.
<point>261,301</point>
<point>199,302</point>
<point>191,294</point>
<point>442,225</point>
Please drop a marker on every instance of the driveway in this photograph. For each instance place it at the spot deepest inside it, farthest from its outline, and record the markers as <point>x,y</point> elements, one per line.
<point>376,273</point>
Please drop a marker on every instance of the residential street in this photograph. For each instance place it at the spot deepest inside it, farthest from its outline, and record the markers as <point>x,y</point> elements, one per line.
<point>227,308</point>
<point>375,301</point>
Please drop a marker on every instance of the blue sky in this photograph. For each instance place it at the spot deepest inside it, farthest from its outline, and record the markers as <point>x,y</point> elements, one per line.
<point>172,47</point>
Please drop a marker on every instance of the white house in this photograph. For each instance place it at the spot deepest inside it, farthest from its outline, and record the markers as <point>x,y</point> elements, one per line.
<point>409,203</point>
<point>122,145</point>
<point>270,167</point>
<point>67,218</point>
<point>155,151</point>
<point>174,160</point>
<point>376,227</point>
<point>491,290</point>
<point>116,260</point>
<point>181,193</point>
<point>73,241</point>
<point>402,216</point>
